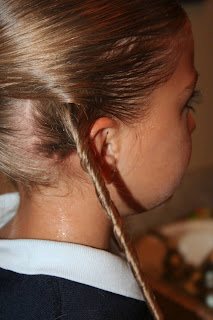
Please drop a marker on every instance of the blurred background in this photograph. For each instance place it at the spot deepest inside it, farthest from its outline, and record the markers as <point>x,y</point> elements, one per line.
<point>201,15</point>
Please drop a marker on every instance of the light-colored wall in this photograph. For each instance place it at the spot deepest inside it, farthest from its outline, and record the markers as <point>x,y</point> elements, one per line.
<point>201,16</point>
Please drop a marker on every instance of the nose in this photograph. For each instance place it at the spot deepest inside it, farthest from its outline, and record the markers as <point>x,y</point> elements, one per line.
<point>191,123</point>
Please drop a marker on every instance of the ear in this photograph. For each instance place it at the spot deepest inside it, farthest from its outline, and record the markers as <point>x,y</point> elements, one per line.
<point>103,138</point>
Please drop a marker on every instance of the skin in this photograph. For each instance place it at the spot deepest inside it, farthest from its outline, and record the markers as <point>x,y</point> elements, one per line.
<point>150,160</point>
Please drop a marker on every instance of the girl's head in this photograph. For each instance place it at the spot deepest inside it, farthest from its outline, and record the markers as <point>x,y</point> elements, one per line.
<point>68,63</point>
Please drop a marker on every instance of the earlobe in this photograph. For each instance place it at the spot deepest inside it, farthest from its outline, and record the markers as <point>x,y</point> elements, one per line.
<point>103,140</point>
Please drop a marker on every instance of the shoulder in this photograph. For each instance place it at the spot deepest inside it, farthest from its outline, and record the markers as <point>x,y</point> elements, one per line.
<point>90,302</point>
<point>47,297</point>
<point>26,297</point>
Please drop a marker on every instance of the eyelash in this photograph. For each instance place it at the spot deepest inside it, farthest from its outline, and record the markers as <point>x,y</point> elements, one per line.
<point>196,98</point>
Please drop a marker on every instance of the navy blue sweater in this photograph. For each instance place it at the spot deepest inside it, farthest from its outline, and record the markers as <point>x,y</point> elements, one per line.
<point>42,297</point>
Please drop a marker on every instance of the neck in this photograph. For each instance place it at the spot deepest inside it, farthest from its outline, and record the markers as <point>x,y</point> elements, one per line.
<point>58,215</point>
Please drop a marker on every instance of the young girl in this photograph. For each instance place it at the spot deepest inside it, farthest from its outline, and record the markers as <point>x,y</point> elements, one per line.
<point>93,101</point>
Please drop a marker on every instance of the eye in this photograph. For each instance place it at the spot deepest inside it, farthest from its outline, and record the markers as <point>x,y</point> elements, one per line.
<point>196,98</point>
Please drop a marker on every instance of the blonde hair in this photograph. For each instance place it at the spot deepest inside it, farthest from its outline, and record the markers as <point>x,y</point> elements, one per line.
<point>65,64</point>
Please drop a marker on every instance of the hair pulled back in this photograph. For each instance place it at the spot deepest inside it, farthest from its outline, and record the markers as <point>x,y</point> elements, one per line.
<point>82,59</point>
<point>64,64</point>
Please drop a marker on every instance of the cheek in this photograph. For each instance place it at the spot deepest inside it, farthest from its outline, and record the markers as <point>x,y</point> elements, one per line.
<point>171,161</point>
<point>181,158</point>
<point>158,165</point>
<point>174,158</point>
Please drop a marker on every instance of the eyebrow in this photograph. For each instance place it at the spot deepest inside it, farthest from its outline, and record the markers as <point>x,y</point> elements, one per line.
<point>193,83</point>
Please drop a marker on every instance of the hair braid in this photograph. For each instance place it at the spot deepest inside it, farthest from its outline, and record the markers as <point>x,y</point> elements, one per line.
<point>87,161</point>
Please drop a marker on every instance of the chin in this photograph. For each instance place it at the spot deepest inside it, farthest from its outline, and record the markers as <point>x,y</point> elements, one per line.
<point>166,195</point>
<point>162,204</point>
